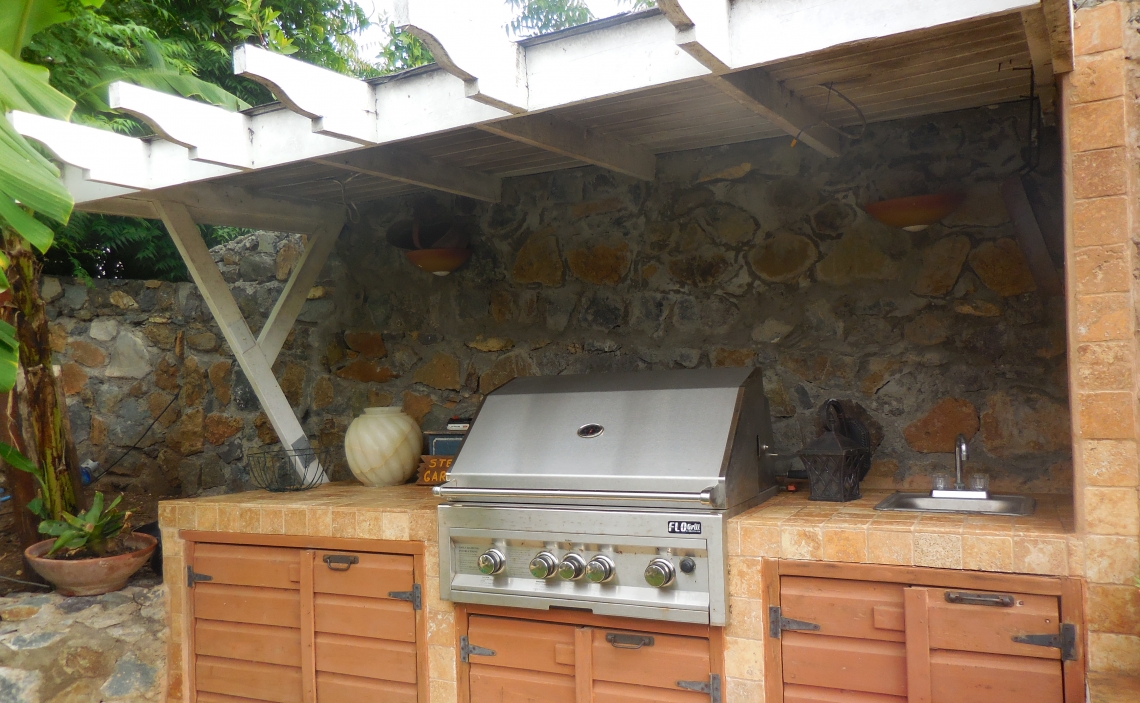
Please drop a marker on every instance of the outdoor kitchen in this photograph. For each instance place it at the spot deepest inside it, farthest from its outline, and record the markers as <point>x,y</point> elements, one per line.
<point>773,421</point>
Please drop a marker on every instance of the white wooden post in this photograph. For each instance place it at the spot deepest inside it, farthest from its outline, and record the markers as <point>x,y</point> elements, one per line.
<point>250,357</point>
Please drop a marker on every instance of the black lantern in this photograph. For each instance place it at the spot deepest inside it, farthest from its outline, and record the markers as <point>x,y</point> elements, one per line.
<point>839,458</point>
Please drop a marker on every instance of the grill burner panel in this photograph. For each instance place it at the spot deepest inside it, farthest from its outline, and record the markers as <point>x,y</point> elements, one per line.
<point>616,485</point>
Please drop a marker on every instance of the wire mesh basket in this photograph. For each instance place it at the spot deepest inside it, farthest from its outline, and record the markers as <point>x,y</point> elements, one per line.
<point>280,470</point>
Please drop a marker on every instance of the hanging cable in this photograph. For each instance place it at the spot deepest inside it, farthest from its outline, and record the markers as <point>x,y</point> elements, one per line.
<point>823,118</point>
<point>136,444</point>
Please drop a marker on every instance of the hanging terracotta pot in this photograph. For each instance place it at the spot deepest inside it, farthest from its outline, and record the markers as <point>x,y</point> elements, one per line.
<point>438,261</point>
<point>383,447</point>
<point>915,213</point>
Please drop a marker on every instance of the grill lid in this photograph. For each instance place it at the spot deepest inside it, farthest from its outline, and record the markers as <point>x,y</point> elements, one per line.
<point>662,438</point>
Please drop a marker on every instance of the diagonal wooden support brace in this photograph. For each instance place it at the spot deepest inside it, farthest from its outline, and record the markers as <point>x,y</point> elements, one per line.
<point>251,357</point>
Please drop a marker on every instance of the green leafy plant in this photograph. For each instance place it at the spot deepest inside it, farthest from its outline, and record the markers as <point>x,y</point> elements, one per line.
<point>543,16</point>
<point>93,530</point>
<point>258,23</point>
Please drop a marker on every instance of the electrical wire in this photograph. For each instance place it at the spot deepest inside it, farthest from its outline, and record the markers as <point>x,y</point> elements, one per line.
<point>136,444</point>
<point>26,583</point>
<point>823,118</point>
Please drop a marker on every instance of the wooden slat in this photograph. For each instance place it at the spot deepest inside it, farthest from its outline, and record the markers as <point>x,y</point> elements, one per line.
<point>773,661</point>
<point>983,628</point>
<point>259,643</point>
<point>872,666</point>
<point>208,697</point>
<point>249,566</point>
<point>365,617</point>
<point>864,609</point>
<point>1072,611</point>
<point>917,646</point>
<point>308,636</point>
<point>338,688</point>
<point>794,693</point>
<point>968,580</point>
<point>493,684</point>
<point>374,576</point>
<point>610,692</point>
<point>520,644</point>
<point>957,677</point>
<point>260,606</point>
<point>263,682</point>
<point>368,657</point>
<point>583,662</point>
<point>668,660</point>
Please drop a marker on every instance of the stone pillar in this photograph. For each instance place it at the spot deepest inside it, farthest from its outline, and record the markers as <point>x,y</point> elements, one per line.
<point>1100,121</point>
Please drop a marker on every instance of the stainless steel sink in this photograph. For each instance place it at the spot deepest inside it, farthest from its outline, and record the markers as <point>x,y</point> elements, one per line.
<point>924,503</point>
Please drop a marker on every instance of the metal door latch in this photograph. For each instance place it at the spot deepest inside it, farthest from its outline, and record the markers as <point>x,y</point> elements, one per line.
<point>466,649</point>
<point>343,562</point>
<point>777,623</point>
<point>1065,640</point>
<point>998,600</point>
<point>711,687</point>
<point>622,641</point>
<point>193,577</point>
<point>412,596</point>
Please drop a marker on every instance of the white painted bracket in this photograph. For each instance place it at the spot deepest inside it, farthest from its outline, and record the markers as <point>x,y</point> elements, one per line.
<point>254,362</point>
<point>104,157</point>
<point>702,30</point>
<point>466,38</point>
<point>211,134</point>
<point>338,105</point>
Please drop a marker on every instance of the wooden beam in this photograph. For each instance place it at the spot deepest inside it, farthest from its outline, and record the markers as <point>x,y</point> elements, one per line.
<point>702,30</point>
<point>338,105</point>
<point>467,40</point>
<point>212,203</point>
<point>418,170</point>
<point>1041,55</point>
<point>577,142</point>
<point>257,369</point>
<point>1059,20</point>
<point>1029,236</point>
<point>210,133</point>
<point>296,292</point>
<point>762,94</point>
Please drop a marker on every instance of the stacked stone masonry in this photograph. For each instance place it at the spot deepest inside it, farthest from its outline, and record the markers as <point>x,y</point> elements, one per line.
<point>1103,280</point>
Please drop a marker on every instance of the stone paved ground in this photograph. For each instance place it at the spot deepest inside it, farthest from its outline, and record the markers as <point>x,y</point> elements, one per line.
<point>108,648</point>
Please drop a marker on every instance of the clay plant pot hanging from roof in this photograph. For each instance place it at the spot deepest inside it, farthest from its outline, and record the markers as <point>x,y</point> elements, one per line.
<point>915,213</point>
<point>436,247</point>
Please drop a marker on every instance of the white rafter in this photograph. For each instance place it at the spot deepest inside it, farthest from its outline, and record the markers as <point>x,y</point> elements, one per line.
<point>210,133</point>
<point>467,40</point>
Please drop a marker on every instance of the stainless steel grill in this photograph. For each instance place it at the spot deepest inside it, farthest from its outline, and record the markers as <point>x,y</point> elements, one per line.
<point>606,492</point>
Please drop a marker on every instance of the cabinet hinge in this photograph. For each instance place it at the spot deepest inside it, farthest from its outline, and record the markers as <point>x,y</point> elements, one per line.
<point>412,596</point>
<point>1065,640</point>
<point>466,649</point>
<point>193,577</point>
<point>711,687</point>
<point>777,623</point>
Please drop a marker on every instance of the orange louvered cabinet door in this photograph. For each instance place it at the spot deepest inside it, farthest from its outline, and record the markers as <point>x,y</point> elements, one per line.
<point>247,638</point>
<point>852,641</point>
<point>519,661</point>
<point>857,654</point>
<point>977,646</point>
<point>364,627</point>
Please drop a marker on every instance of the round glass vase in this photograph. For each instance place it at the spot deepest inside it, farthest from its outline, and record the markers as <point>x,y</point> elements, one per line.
<point>383,447</point>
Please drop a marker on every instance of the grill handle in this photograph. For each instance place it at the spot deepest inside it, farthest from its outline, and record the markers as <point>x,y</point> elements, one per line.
<point>705,497</point>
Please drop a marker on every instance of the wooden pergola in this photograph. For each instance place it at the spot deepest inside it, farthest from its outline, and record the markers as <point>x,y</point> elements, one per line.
<point>613,93</point>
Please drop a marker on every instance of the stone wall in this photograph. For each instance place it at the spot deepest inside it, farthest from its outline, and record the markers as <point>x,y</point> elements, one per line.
<point>750,254</point>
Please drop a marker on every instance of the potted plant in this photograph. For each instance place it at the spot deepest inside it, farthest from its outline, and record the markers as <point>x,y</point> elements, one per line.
<point>87,554</point>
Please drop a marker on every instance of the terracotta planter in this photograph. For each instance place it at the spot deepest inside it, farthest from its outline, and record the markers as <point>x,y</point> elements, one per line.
<point>91,577</point>
<point>916,213</point>
<point>438,261</point>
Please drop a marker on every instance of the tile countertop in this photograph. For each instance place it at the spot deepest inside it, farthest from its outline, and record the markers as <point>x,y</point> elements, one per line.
<point>790,526</point>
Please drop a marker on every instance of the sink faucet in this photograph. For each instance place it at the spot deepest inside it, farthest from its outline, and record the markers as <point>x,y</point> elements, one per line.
<point>961,453</point>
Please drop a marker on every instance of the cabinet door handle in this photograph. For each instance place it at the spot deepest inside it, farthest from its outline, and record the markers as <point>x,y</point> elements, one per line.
<point>997,600</point>
<point>628,641</point>
<point>341,562</point>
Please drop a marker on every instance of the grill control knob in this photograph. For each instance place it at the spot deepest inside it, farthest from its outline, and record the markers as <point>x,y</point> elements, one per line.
<point>544,565</point>
<point>660,573</point>
<point>600,569</point>
<point>572,567</point>
<point>492,562</point>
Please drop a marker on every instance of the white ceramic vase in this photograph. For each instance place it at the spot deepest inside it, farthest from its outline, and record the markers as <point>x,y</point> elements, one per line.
<point>383,447</point>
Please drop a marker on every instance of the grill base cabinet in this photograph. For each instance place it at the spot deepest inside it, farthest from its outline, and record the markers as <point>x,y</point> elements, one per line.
<point>281,624</point>
<point>509,656</point>
<point>864,634</point>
